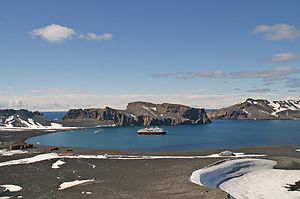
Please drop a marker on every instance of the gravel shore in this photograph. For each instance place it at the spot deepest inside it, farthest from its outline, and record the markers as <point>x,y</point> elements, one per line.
<point>165,178</point>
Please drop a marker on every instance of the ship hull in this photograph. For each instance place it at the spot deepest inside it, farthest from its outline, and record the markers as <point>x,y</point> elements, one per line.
<point>152,133</point>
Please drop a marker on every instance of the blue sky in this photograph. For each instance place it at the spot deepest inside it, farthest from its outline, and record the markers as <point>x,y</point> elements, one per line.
<point>57,55</point>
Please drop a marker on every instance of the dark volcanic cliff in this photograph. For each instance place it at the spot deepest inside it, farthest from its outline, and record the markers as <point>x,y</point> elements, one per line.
<point>259,109</point>
<point>137,113</point>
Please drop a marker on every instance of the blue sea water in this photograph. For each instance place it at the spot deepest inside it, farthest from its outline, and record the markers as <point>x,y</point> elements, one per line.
<point>55,115</point>
<point>219,134</point>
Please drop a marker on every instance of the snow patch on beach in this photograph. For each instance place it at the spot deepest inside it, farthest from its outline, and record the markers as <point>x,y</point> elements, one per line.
<point>49,156</point>
<point>37,158</point>
<point>87,192</point>
<point>5,152</point>
<point>235,155</point>
<point>57,164</point>
<point>270,183</point>
<point>66,185</point>
<point>11,188</point>
<point>92,165</point>
<point>214,175</point>
<point>248,178</point>
<point>56,125</point>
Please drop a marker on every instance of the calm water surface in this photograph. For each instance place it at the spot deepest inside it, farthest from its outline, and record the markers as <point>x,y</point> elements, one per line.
<point>53,116</point>
<point>219,134</point>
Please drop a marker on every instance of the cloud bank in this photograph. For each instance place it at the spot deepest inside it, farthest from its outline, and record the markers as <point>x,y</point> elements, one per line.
<point>277,32</point>
<point>259,90</point>
<point>293,83</point>
<point>59,103</point>
<point>284,57</point>
<point>94,37</point>
<point>270,74</point>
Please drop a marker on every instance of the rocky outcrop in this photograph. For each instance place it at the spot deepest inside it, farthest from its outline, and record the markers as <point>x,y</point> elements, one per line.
<point>97,117</point>
<point>167,114</point>
<point>137,113</point>
<point>259,109</point>
<point>22,118</point>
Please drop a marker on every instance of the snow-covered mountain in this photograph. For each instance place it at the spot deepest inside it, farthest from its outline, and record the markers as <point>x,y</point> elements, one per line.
<point>259,109</point>
<point>24,119</point>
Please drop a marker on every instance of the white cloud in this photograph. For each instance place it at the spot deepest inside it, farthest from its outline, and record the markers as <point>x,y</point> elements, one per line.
<point>3,105</point>
<point>284,57</point>
<point>195,98</point>
<point>94,37</point>
<point>15,104</point>
<point>58,102</point>
<point>54,33</point>
<point>259,90</point>
<point>207,74</point>
<point>270,74</point>
<point>61,91</point>
<point>277,32</point>
<point>293,83</point>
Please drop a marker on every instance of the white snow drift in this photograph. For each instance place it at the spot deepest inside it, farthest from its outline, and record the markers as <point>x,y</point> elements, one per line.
<point>11,187</point>
<point>56,164</point>
<point>66,185</point>
<point>4,152</point>
<point>49,156</point>
<point>270,183</point>
<point>248,178</point>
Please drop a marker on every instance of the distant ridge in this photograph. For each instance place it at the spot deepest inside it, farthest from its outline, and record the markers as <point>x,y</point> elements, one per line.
<point>146,114</point>
<point>22,118</point>
<point>137,114</point>
<point>259,109</point>
<point>26,120</point>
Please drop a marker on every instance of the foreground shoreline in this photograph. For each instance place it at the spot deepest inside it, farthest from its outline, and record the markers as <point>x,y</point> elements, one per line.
<point>167,178</point>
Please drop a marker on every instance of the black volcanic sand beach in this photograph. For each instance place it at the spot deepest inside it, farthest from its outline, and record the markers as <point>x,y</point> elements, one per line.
<point>167,178</point>
<point>8,138</point>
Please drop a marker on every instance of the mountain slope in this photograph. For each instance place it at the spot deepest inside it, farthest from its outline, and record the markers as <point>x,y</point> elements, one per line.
<point>259,109</point>
<point>10,118</point>
<point>137,113</point>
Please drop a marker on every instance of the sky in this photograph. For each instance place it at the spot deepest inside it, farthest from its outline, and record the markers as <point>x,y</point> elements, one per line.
<point>62,54</point>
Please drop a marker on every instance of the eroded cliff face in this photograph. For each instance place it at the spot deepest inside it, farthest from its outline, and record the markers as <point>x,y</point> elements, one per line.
<point>259,109</point>
<point>138,113</point>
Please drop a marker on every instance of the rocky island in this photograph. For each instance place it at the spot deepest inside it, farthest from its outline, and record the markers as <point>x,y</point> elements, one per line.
<point>259,109</point>
<point>136,113</point>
